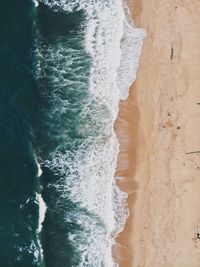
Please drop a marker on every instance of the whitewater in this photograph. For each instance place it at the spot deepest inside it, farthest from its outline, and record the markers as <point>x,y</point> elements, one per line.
<point>98,77</point>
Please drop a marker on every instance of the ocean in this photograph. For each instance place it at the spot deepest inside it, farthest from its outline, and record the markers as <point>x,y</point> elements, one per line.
<point>66,64</point>
<point>19,245</point>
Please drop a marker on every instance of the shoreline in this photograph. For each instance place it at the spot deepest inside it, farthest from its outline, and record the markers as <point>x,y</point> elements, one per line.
<point>127,130</point>
<point>158,131</point>
<point>126,168</point>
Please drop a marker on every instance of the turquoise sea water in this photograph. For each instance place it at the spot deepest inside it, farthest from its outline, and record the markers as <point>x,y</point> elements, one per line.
<point>64,67</point>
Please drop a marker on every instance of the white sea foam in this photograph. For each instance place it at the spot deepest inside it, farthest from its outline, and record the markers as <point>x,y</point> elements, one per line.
<point>87,174</point>
<point>40,202</point>
<point>39,170</point>
<point>42,210</point>
<point>131,45</point>
<point>36,3</point>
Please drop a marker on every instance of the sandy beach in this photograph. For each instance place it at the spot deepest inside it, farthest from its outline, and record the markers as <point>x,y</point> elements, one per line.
<point>159,133</point>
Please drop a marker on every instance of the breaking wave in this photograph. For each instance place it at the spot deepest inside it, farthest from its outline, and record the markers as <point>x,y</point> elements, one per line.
<point>89,73</point>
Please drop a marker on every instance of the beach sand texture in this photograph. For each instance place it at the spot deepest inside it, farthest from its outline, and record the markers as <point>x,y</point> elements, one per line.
<point>159,133</point>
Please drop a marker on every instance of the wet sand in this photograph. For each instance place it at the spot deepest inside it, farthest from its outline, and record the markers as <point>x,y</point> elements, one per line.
<point>159,133</point>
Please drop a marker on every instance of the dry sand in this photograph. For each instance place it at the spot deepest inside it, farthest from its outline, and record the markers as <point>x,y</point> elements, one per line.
<point>159,132</point>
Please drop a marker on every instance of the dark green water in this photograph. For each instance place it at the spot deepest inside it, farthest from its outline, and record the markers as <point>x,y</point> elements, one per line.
<point>18,170</point>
